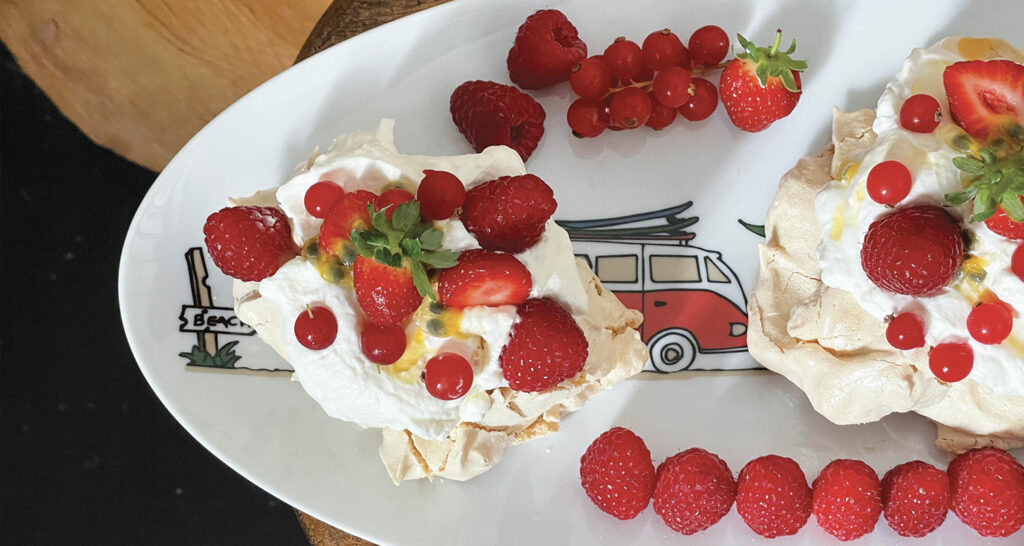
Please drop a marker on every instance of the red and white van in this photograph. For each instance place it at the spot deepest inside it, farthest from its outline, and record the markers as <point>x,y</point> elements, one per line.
<point>692,301</point>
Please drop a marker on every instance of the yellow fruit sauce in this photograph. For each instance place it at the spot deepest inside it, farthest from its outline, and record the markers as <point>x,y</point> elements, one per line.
<point>331,268</point>
<point>837,224</point>
<point>430,318</point>
<point>975,48</point>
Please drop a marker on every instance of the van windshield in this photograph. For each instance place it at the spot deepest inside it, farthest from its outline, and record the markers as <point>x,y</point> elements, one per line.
<point>715,273</point>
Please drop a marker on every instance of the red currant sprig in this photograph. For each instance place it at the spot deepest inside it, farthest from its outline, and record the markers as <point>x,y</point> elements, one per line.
<point>951,362</point>
<point>316,328</point>
<point>320,197</point>
<point>448,376</point>
<point>920,114</point>
<point>382,344</point>
<point>389,200</point>
<point>440,194</point>
<point>905,331</point>
<point>889,182</point>
<point>990,323</point>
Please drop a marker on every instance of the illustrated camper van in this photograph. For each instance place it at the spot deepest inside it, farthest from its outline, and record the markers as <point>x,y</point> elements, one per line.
<point>692,301</point>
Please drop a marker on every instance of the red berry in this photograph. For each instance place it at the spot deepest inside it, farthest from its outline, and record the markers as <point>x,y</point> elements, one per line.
<point>316,328</point>
<point>587,117</point>
<point>390,199</point>
<point>440,194</point>
<point>905,331</point>
<point>546,47</point>
<point>483,277</point>
<point>694,490</point>
<point>661,116</point>
<point>913,250</point>
<point>249,243</point>
<point>508,214</point>
<point>772,496</point>
<point>591,78</point>
<point>448,376</point>
<point>492,114</point>
<point>1017,262</point>
<point>671,86</point>
<point>545,347</point>
<point>382,344</point>
<point>990,323</point>
<point>624,58</point>
<point>847,499</point>
<point>1001,224</point>
<point>916,498</point>
<point>320,197</point>
<point>920,113</point>
<point>617,474</point>
<point>951,362</point>
<point>889,182</point>
<point>630,108</point>
<point>750,104</point>
<point>702,103</point>
<point>986,98</point>
<point>386,294</point>
<point>663,49</point>
<point>988,491</point>
<point>347,214</point>
<point>708,45</point>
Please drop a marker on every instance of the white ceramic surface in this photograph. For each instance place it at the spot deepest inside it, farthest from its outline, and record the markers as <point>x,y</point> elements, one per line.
<point>266,428</point>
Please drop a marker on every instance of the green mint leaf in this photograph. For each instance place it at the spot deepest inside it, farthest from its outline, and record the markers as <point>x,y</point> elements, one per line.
<point>969,165</point>
<point>411,248</point>
<point>960,197</point>
<point>387,257</point>
<point>440,259</point>
<point>1013,207</point>
<point>406,216</point>
<point>422,282</point>
<point>431,239</point>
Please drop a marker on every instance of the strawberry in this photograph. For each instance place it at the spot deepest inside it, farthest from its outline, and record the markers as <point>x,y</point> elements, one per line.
<point>390,275</point>
<point>913,250</point>
<point>617,474</point>
<point>997,187</point>
<point>249,243</point>
<point>772,496</point>
<point>346,214</point>
<point>761,85</point>
<point>509,213</point>
<point>986,98</point>
<point>544,348</point>
<point>847,499</point>
<point>988,491</point>
<point>492,114</point>
<point>545,50</point>
<point>695,490</point>
<point>483,277</point>
<point>916,498</point>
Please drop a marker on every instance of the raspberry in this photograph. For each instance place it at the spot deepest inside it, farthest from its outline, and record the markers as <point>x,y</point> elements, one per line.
<point>914,250</point>
<point>847,499</point>
<point>545,50</point>
<point>508,214</point>
<point>492,114</point>
<point>772,496</point>
<point>617,473</point>
<point>695,490</point>
<point>916,498</point>
<point>987,487</point>
<point>545,347</point>
<point>249,243</point>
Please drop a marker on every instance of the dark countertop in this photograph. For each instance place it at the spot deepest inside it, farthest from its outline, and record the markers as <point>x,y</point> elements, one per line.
<point>88,454</point>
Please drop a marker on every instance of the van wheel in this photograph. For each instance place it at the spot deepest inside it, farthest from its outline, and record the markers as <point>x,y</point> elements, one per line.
<point>672,350</point>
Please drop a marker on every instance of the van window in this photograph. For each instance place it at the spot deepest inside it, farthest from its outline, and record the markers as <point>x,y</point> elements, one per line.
<point>715,274</point>
<point>586,259</point>
<point>675,269</point>
<point>617,268</point>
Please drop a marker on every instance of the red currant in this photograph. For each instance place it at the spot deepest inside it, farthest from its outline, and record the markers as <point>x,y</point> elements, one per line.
<point>591,78</point>
<point>448,376</point>
<point>624,58</point>
<point>920,114</point>
<point>708,45</point>
<point>661,116</point>
<point>889,182</point>
<point>587,117</point>
<point>382,344</point>
<point>990,323</point>
<point>671,86</point>
<point>316,328</point>
<point>630,108</point>
<point>440,194</point>
<point>391,199</point>
<point>1017,262</point>
<point>321,196</point>
<point>702,103</point>
<point>951,362</point>
<point>905,331</point>
<point>663,49</point>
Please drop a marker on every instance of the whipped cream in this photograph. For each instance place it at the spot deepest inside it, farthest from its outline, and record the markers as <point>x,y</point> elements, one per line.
<point>340,378</point>
<point>845,212</point>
